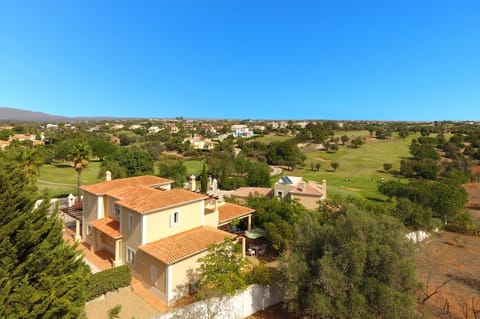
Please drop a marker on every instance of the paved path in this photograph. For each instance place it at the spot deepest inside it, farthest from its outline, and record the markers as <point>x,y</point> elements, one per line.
<point>275,170</point>
<point>54,183</point>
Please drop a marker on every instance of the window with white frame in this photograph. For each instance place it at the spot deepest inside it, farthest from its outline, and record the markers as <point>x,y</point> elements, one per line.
<point>130,221</point>
<point>116,210</point>
<point>175,219</point>
<point>130,255</point>
<point>89,230</point>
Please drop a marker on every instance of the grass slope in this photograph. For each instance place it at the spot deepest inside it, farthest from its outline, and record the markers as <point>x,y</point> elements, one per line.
<point>360,169</point>
<point>61,178</point>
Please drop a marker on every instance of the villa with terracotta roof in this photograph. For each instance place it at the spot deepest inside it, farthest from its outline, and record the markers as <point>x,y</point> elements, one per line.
<point>307,193</point>
<point>242,193</point>
<point>159,232</point>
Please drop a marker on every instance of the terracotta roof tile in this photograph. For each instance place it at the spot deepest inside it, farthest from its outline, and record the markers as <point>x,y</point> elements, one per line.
<point>309,188</point>
<point>247,191</point>
<point>147,180</point>
<point>144,199</point>
<point>109,226</point>
<point>176,247</point>
<point>229,211</point>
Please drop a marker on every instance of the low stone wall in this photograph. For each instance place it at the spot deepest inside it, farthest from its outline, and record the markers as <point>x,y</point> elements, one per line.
<point>244,304</point>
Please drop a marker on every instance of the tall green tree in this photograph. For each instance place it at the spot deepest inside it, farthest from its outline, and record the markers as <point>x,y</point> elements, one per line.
<point>79,156</point>
<point>101,147</point>
<point>133,161</point>
<point>334,165</point>
<point>221,270</point>
<point>277,217</point>
<point>349,264</point>
<point>258,175</point>
<point>29,157</point>
<point>177,171</point>
<point>204,180</point>
<point>40,275</point>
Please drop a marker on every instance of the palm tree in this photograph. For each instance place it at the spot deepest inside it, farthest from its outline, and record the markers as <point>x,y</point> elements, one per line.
<point>79,156</point>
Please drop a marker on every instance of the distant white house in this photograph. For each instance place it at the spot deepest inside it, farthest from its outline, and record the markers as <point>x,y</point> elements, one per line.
<point>117,126</point>
<point>52,126</point>
<point>200,143</point>
<point>239,130</point>
<point>302,124</point>
<point>135,127</point>
<point>174,129</point>
<point>154,129</point>
<point>260,128</point>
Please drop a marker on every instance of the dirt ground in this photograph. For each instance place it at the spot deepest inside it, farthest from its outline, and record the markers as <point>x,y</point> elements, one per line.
<point>274,312</point>
<point>452,258</point>
<point>132,307</point>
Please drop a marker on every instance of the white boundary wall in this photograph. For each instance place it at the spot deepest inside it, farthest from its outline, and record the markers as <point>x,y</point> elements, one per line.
<point>247,302</point>
<point>418,236</point>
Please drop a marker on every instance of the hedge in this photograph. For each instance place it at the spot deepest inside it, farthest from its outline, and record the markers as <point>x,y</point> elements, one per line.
<point>108,280</point>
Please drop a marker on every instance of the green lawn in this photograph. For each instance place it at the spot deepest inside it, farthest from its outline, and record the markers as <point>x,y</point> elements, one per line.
<point>193,167</point>
<point>267,139</point>
<point>360,169</point>
<point>352,134</point>
<point>61,178</point>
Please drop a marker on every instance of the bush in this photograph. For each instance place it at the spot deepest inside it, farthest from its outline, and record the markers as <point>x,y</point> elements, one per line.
<point>108,280</point>
<point>463,224</point>
<point>260,274</point>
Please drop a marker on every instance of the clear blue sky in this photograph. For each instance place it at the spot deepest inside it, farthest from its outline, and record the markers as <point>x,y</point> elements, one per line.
<point>385,60</point>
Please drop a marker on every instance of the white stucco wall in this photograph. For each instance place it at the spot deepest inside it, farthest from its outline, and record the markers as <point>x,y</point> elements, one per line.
<point>255,298</point>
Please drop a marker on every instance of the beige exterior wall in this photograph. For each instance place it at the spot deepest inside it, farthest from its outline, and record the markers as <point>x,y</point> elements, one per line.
<point>108,206</point>
<point>101,241</point>
<point>143,266</point>
<point>90,207</point>
<point>158,224</point>
<point>131,237</point>
<point>285,189</point>
<point>182,275</point>
<point>211,219</point>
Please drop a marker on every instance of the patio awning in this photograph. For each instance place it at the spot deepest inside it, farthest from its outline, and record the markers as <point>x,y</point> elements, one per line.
<point>108,226</point>
<point>228,211</point>
<point>76,211</point>
<point>254,233</point>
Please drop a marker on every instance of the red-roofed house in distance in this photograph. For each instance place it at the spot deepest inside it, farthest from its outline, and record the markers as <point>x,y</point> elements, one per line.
<point>159,232</point>
<point>306,193</point>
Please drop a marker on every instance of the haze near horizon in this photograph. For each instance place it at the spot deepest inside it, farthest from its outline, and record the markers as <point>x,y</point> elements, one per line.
<point>349,60</point>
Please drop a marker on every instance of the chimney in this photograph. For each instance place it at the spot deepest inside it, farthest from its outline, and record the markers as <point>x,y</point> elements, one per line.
<point>302,186</point>
<point>70,200</point>
<point>193,184</point>
<point>108,176</point>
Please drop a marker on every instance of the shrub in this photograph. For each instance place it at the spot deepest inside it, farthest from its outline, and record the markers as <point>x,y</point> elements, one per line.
<point>463,224</point>
<point>108,280</point>
<point>260,274</point>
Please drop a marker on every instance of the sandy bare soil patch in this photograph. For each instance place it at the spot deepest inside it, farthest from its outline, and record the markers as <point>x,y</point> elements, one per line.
<point>132,306</point>
<point>452,258</point>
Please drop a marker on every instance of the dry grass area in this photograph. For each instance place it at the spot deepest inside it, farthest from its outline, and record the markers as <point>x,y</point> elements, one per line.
<point>452,258</point>
<point>132,306</point>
